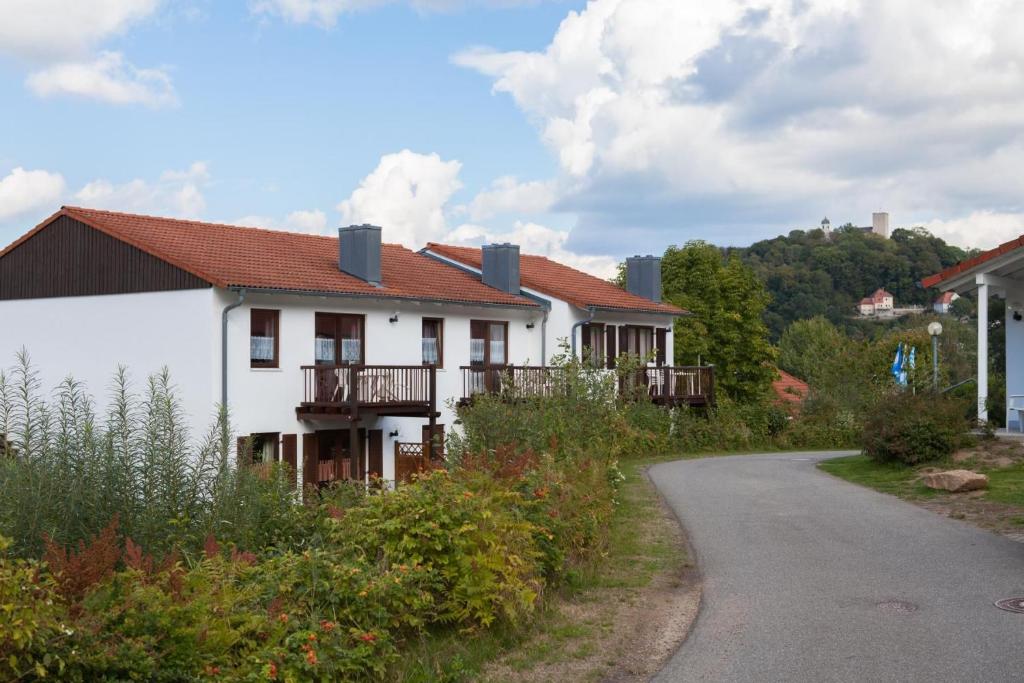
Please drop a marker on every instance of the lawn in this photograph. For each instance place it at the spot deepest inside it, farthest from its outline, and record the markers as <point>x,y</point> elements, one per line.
<point>596,625</point>
<point>999,508</point>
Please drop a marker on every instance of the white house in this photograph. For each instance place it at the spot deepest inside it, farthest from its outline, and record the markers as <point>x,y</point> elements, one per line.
<point>998,272</point>
<point>944,304</point>
<point>340,355</point>
<point>881,303</point>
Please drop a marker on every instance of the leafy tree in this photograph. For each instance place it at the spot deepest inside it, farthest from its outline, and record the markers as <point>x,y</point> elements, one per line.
<point>727,328</point>
<point>808,274</point>
<point>808,346</point>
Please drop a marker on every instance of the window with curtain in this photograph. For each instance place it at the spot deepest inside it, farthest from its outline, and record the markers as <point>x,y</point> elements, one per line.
<point>488,343</point>
<point>263,338</point>
<point>339,339</point>
<point>593,336</point>
<point>432,342</point>
<point>639,341</point>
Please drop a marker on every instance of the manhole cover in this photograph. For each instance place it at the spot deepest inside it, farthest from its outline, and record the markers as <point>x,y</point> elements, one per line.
<point>897,606</point>
<point>1011,604</point>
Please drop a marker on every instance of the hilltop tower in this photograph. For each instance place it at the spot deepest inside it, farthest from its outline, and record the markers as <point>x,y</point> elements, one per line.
<point>880,223</point>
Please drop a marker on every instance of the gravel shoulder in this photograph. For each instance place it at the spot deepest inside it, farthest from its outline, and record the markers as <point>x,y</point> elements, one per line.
<point>810,578</point>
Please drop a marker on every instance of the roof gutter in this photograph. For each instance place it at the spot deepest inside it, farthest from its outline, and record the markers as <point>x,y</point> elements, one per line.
<point>224,348</point>
<point>373,297</point>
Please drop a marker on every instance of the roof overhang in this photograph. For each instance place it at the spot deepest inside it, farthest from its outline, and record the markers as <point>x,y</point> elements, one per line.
<point>526,306</point>
<point>1003,271</point>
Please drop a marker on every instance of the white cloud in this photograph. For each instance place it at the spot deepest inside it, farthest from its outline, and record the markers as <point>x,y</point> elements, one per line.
<point>108,78</point>
<point>508,195</point>
<point>325,13</point>
<point>313,222</point>
<point>410,196</point>
<point>406,194</point>
<point>22,191</point>
<point>980,229</point>
<point>174,193</point>
<point>534,238</point>
<point>744,114</point>
<point>47,29</point>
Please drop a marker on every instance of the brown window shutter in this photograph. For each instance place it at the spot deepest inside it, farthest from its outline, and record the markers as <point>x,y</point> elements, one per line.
<point>290,447</point>
<point>623,340</point>
<point>310,462</point>
<point>376,453</point>
<point>659,342</point>
<point>609,344</point>
<point>584,338</point>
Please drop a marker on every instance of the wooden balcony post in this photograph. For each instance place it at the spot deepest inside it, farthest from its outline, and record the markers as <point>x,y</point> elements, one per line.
<point>433,408</point>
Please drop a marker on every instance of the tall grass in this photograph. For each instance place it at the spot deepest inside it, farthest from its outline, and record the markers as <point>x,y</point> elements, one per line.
<point>68,472</point>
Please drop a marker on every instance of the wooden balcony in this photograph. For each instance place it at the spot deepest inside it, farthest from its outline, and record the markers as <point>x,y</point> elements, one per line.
<point>666,385</point>
<point>388,390</point>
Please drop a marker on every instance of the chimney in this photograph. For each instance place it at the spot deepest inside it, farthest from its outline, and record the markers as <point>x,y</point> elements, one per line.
<point>501,267</point>
<point>359,252</point>
<point>880,223</point>
<point>643,276</point>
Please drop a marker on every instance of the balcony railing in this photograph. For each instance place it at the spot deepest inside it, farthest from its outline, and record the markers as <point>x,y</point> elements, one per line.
<point>350,388</point>
<point>674,385</point>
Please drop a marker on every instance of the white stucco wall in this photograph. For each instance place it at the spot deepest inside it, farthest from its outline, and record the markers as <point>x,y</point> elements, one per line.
<point>89,336</point>
<point>264,400</point>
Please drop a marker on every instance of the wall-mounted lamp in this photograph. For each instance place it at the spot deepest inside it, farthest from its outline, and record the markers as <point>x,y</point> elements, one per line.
<point>530,325</point>
<point>394,318</point>
<point>393,433</point>
<point>1017,316</point>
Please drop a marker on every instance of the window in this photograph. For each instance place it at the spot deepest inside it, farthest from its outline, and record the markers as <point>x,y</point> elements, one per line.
<point>263,338</point>
<point>638,341</point>
<point>339,339</point>
<point>488,342</point>
<point>258,449</point>
<point>433,342</point>
<point>593,344</point>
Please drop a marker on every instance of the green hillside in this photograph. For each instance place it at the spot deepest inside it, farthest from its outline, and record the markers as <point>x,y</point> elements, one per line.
<point>808,274</point>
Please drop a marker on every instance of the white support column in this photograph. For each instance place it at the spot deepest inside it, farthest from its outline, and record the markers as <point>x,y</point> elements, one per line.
<point>982,351</point>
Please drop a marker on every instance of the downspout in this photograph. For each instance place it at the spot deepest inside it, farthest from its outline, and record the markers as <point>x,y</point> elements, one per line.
<point>224,348</point>
<point>578,324</point>
<point>544,339</point>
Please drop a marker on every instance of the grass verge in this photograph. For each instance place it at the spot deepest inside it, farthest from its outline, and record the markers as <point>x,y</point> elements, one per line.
<point>1000,508</point>
<point>620,615</point>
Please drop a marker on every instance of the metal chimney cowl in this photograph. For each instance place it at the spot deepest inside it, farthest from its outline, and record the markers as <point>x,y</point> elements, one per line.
<point>500,267</point>
<point>643,276</point>
<point>359,252</point>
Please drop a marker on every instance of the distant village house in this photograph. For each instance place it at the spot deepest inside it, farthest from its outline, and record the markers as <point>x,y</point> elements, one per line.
<point>879,304</point>
<point>944,304</point>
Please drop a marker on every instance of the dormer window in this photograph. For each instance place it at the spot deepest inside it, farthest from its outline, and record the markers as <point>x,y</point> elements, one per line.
<point>264,327</point>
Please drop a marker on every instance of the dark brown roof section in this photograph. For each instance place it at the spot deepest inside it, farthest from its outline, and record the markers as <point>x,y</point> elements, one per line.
<point>562,282</point>
<point>254,258</point>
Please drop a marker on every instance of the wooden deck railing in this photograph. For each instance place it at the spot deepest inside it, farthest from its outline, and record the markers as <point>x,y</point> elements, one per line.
<point>371,386</point>
<point>693,385</point>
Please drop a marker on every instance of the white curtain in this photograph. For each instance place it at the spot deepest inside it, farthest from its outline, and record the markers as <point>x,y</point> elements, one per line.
<point>350,350</point>
<point>261,348</point>
<point>324,350</point>
<point>476,350</point>
<point>429,350</point>
<point>497,345</point>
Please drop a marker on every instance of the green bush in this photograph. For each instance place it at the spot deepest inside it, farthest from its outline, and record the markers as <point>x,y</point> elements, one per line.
<point>913,429</point>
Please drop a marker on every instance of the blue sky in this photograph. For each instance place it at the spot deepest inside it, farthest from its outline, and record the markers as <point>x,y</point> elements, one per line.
<point>586,131</point>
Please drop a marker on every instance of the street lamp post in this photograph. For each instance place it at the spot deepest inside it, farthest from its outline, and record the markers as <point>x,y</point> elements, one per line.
<point>935,329</point>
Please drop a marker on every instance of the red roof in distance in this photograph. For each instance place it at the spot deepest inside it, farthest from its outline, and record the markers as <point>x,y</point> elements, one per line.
<point>255,258</point>
<point>789,390</point>
<point>563,282</point>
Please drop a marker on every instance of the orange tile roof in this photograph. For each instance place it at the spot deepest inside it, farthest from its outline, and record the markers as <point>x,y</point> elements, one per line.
<point>254,258</point>
<point>558,280</point>
<point>789,389</point>
<point>967,264</point>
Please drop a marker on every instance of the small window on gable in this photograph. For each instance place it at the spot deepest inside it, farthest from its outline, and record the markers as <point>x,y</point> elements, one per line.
<point>433,342</point>
<point>263,338</point>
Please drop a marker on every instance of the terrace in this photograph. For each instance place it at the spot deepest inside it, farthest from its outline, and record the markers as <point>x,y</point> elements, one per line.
<point>345,391</point>
<point>689,385</point>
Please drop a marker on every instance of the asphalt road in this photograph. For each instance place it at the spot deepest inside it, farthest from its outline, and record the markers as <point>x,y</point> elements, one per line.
<point>810,578</point>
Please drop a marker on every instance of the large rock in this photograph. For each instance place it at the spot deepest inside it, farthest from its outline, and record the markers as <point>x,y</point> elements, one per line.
<point>955,481</point>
